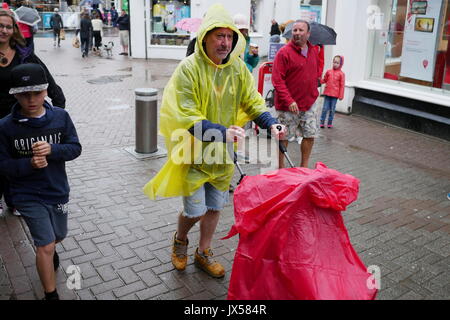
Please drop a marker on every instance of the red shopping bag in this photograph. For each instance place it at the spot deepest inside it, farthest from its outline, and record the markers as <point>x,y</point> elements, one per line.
<point>293,243</point>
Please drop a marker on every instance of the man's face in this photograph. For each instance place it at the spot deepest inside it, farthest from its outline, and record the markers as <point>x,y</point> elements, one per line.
<point>300,33</point>
<point>32,103</point>
<point>219,43</point>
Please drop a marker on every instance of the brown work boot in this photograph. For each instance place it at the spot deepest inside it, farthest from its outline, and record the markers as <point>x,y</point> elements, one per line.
<point>179,253</point>
<point>205,262</point>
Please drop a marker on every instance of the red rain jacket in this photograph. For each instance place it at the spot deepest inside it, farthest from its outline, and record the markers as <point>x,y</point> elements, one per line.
<point>295,77</point>
<point>335,82</point>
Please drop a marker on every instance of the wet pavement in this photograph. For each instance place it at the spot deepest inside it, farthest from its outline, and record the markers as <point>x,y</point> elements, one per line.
<point>121,240</point>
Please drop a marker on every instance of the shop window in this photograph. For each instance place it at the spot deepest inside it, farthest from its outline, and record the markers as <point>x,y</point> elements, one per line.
<point>311,10</point>
<point>414,47</point>
<point>165,15</point>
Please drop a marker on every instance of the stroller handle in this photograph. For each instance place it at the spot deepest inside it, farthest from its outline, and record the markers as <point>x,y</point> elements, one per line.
<point>283,149</point>
<point>281,146</point>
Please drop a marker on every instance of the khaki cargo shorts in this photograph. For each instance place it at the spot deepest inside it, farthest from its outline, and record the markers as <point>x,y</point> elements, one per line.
<point>305,124</point>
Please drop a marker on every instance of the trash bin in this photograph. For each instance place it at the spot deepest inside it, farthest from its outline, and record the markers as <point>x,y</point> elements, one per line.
<point>146,120</point>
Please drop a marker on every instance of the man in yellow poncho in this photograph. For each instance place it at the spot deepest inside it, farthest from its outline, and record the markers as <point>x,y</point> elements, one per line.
<point>209,97</point>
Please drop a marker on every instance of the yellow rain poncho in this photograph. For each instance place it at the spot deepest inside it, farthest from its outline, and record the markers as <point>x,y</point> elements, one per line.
<point>201,90</point>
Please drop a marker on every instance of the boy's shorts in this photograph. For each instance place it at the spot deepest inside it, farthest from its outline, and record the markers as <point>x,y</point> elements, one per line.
<point>303,125</point>
<point>47,223</point>
<point>205,198</point>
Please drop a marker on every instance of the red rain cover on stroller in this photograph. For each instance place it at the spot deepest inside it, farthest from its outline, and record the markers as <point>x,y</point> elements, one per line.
<point>293,243</point>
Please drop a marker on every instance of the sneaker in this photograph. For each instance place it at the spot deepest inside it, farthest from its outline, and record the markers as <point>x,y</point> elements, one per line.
<point>55,261</point>
<point>330,126</point>
<point>179,253</point>
<point>322,125</point>
<point>204,261</point>
<point>15,212</point>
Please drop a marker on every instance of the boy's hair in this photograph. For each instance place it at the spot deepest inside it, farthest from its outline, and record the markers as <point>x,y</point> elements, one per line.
<point>17,37</point>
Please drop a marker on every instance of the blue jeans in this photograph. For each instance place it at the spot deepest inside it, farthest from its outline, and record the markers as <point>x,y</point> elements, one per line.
<point>84,45</point>
<point>329,105</point>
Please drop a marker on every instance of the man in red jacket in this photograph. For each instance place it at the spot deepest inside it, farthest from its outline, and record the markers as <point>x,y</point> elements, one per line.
<point>295,75</point>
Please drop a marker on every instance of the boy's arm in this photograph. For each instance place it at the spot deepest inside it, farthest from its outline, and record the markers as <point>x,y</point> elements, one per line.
<point>10,167</point>
<point>71,148</point>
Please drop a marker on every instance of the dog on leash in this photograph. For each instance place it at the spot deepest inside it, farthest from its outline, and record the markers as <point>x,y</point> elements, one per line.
<point>108,48</point>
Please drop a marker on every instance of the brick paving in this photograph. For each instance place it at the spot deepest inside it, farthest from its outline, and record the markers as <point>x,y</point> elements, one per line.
<point>121,240</point>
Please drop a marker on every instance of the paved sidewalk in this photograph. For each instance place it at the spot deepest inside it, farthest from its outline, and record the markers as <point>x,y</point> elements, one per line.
<point>121,240</point>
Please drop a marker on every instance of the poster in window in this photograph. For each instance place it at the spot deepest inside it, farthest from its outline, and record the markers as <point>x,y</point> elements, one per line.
<point>424,25</point>
<point>419,7</point>
<point>420,42</point>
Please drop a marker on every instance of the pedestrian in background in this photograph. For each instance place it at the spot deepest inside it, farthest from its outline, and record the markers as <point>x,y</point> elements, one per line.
<point>205,94</point>
<point>97,29</point>
<point>114,16</point>
<point>274,29</point>
<point>85,32</point>
<point>334,81</point>
<point>36,139</point>
<point>252,56</point>
<point>295,74</point>
<point>123,22</point>
<point>56,24</point>
<point>13,52</point>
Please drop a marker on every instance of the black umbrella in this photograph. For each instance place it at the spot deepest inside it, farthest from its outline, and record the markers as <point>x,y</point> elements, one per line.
<point>320,33</point>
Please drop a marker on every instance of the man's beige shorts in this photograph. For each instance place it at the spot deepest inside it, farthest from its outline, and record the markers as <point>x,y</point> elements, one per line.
<point>305,124</point>
<point>124,37</point>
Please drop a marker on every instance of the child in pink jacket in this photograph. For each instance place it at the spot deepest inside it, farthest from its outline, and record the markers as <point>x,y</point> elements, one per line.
<point>334,89</point>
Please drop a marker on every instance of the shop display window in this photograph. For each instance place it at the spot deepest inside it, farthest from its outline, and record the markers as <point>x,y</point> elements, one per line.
<point>165,15</point>
<point>414,46</point>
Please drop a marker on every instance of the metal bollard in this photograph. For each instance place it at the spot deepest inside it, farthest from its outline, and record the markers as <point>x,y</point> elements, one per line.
<point>146,120</point>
